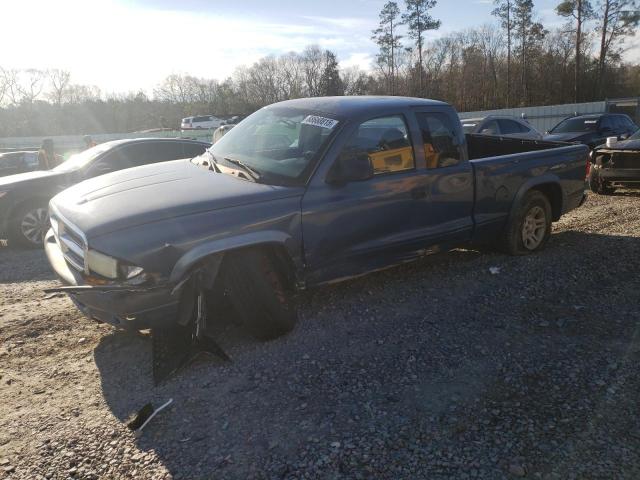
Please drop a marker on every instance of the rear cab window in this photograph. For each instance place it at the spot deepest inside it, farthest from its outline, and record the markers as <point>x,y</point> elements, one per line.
<point>439,138</point>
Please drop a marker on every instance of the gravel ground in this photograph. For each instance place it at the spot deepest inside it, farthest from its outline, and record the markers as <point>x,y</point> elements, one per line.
<point>437,369</point>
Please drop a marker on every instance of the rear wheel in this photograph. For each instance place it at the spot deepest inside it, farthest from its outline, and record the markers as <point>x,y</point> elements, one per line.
<point>597,184</point>
<point>529,228</point>
<point>29,225</point>
<point>259,293</point>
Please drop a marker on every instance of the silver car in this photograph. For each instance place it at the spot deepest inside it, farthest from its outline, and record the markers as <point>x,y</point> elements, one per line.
<point>503,126</point>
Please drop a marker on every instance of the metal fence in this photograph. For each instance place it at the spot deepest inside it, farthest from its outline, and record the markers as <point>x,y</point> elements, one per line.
<point>545,118</point>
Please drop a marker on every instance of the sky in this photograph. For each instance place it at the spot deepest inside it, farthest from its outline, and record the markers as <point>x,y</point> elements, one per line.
<point>127,45</point>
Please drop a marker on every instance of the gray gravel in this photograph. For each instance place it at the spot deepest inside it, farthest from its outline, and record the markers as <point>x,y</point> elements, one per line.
<point>438,369</point>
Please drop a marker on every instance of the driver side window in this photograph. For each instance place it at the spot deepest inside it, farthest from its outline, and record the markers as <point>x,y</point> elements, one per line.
<point>385,141</point>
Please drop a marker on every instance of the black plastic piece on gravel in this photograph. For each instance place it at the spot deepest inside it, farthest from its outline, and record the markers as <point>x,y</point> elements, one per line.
<point>174,348</point>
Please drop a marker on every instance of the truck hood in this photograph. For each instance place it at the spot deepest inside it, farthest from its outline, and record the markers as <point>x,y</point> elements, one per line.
<point>157,192</point>
<point>624,145</point>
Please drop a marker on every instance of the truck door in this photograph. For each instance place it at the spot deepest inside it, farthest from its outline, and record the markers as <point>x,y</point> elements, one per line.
<point>448,215</point>
<point>364,225</point>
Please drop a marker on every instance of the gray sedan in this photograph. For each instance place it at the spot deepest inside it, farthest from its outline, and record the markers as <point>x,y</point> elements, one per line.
<point>503,126</point>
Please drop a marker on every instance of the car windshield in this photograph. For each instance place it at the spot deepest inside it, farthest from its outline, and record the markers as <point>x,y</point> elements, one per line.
<point>635,136</point>
<point>281,144</point>
<point>81,159</point>
<point>576,125</point>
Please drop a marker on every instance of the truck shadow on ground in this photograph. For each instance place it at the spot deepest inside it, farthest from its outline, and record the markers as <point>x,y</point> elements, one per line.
<point>383,355</point>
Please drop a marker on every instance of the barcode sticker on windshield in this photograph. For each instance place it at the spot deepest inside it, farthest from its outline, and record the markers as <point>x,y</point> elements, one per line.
<point>321,122</point>
<point>590,121</point>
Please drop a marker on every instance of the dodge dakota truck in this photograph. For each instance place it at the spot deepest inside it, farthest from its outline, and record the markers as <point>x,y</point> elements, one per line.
<point>301,193</point>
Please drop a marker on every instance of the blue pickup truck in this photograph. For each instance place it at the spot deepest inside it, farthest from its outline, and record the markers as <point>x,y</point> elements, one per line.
<point>301,193</point>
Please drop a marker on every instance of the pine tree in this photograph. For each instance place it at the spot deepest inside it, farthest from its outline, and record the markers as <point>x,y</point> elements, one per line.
<point>504,12</point>
<point>419,20</point>
<point>330,82</point>
<point>581,11</point>
<point>388,40</point>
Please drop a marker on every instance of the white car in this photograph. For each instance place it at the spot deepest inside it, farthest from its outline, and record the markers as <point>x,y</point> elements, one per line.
<point>203,122</point>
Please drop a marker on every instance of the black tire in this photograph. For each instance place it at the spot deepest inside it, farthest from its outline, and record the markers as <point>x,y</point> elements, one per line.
<point>259,293</point>
<point>597,184</point>
<point>529,228</point>
<point>28,225</point>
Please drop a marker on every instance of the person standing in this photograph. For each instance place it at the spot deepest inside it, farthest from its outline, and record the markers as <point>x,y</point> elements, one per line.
<point>89,142</point>
<point>46,155</point>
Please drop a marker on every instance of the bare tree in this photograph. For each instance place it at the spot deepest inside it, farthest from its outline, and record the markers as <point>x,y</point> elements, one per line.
<point>59,80</point>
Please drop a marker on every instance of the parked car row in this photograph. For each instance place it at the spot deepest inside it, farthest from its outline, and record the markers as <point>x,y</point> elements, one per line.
<point>591,130</point>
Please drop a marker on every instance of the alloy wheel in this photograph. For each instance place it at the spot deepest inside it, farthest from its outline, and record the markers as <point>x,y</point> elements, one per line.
<point>34,225</point>
<point>534,228</point>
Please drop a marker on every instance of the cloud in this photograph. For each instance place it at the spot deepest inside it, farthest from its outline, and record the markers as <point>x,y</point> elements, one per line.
<point>119,47</point>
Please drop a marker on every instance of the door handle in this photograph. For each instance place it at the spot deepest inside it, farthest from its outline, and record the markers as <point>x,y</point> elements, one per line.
<point>418,193</point>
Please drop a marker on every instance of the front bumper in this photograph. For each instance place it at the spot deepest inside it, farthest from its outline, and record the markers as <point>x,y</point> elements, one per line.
<point>130,307</point>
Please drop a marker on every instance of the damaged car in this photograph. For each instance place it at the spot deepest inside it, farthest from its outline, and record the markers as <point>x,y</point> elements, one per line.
<point>301,193</point>
<point>615,164</point>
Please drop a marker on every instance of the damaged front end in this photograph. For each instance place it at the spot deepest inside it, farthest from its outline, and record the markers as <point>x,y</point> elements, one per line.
<point>618,167</point>
<point>178,314</point>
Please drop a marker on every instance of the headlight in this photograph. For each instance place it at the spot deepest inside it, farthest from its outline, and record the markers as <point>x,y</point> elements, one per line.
<point>111,268</point>
<point>102,264</point>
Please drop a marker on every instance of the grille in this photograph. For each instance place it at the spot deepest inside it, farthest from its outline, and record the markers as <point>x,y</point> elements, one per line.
<point>71,240</point>
<point>626,160</point>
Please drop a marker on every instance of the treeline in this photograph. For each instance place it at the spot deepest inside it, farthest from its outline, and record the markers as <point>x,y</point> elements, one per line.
<point>516,62</point>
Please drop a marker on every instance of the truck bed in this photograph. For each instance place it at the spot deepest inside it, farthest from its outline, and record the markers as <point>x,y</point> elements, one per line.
<point>504,167</point>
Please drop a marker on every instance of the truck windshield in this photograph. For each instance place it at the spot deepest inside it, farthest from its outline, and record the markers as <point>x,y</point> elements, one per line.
<point>576,125</point>
<point>281,144</point>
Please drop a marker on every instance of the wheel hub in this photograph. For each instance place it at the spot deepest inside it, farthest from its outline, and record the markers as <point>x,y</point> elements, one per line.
<point>534,228</point>
<point>34,225</point>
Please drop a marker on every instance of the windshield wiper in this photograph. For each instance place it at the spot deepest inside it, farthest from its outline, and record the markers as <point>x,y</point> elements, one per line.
<point>210,166</point>
<point>253,173</point>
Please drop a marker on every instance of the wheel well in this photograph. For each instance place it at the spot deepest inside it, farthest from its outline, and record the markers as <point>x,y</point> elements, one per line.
<point>29,201</point>
<point>277,253</point>
<point>282,261</point>
<point>554,194</point>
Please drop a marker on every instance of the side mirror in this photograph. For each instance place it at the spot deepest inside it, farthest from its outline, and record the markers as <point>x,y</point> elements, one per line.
<point>356,167</point>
